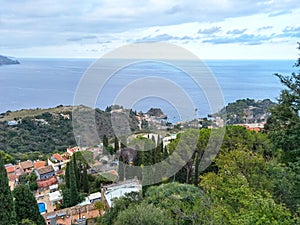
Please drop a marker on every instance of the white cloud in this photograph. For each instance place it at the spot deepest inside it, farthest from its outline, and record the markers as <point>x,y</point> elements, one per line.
<point>43,26</point>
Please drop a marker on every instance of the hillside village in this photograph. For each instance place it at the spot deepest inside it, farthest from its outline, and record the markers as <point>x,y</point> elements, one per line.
<point>48,178</point>
<point>103,159</point>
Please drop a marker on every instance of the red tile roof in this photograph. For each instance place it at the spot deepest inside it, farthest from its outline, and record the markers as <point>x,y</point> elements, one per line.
<point>10,169</point>
<point>58,157</point>
<point>39,164</point>
<point>47,183</point>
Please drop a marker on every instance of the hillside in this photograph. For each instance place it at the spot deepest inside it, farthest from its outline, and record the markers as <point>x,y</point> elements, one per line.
<point>246,111</point>
<point>47,130</point>
<point>4,60</point>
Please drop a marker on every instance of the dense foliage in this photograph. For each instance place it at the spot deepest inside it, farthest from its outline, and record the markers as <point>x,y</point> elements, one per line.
<point>35,136</point>
<point>7,209</point>
<point>245,184</point>
<point>284,124</point>
<point>26,205</point>
<point>246,111</point>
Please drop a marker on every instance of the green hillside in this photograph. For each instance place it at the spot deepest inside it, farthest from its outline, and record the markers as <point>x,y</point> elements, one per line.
<point>46,130</point>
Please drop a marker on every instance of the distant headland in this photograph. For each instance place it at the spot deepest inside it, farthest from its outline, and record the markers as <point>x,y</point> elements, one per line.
<point>4,60</point>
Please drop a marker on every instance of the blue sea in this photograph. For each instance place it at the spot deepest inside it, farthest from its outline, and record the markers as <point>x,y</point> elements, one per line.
<point>41,83</point>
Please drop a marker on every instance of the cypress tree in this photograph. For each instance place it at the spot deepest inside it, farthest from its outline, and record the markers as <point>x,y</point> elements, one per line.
<point>7,210</point>
<point>166,154</point>
<point>67,175</point>
<point>74,195</point>
<point>76,171</point>
<point>26,205</point>
<point>66,197</point>
<point>85,182</point>
<point>153,139</point>
<point>117,146</point>
<point>105,141</point>
<point>196,178</point>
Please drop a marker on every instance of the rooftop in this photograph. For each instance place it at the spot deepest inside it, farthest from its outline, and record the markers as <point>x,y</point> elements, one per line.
<point>54,186</point>
<point>45,169</point>
<point>10,169</point>
<point>47,183</point>
<point>39,164</point>
<point>26,165</point>
<point>96,195</point>
<point>57,157</point>
<point>117,191</point>
<point>55,196</point>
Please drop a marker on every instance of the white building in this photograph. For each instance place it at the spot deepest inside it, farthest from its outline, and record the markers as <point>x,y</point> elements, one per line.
<point>55,197</point>
<point>119,190</point>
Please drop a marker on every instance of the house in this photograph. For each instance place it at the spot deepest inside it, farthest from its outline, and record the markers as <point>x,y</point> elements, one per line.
<point>10,169</point>
<point>253,126</point>
<point>71,151</point>
<point>119,190</point>
<point>95,197</point>
<point>45,172</point>
<point>57,162</point>
<point>27,166</point>
<point>53,188</point>
<point>55,197</point>
<point>72,215</point>
<point>47,182</point>
<point>39,164</point>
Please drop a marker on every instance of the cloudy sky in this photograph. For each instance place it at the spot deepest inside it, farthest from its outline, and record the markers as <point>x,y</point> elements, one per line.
<point>214,29</point>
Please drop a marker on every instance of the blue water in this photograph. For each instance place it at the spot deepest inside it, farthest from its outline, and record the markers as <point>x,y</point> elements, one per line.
<point>42,207</point>
<point>40,83</point>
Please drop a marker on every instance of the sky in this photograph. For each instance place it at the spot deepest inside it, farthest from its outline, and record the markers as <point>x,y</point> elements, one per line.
<point>214,29</point>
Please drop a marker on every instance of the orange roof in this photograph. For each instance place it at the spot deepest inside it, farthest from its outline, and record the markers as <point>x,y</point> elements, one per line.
<point>39,164</point>
<point>10,169</point>
<point>47,183</point>
<point>58,157</point>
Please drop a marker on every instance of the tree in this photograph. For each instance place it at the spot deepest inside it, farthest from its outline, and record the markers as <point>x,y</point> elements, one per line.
<point>239,191</point>
<point>117,146</point>
<point>143,214</point>
<point>181,202</point>
<point>74,195</point>
<point>105,141</point>
<point>85,181</point>
<point>71,191</point>
<point>7,209</point>
<point>158,152</point>
<point>284,123</point>
<point>76,170</point>
<point>7,158</point>
<point>100,205</point>
<point>67,175</point>
<point>26,205</point>
<point>27,222</point>
<point>119,205</point>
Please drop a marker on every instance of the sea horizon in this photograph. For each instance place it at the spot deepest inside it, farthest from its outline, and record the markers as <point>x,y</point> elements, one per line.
<point>49,82</point>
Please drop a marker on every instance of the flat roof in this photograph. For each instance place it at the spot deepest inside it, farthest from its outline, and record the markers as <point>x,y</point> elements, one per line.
<point>55,196</point>
<point>94,196</point>
<point>120,191</point>
<point>54,186</point>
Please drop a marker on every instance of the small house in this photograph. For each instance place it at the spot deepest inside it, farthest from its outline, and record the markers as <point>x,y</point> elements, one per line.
<point>45,172</point>
<point>95,197</point>
<point>27,166</point>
